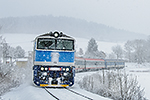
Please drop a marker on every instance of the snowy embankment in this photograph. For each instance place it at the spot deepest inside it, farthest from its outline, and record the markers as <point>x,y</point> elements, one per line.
<point>30,92</point>
<point>142,71</point>
<point>27,91</point>
<point>137,75</point>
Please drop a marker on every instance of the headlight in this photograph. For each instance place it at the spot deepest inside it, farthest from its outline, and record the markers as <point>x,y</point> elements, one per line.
<point>37,82</point>
<point>42,68</point>
<point>64,69</point>
<point>46,68</point>
<point>65,74</point>
<point>67,69</point>
<point>56,34</point>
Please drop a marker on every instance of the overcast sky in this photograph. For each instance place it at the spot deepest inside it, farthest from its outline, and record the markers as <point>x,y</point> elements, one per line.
<point>132,15</point>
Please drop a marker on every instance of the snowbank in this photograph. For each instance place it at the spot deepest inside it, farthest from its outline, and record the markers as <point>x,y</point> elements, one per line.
<point>115,84</point>
<point>28,91</point>
<point>142,71</point>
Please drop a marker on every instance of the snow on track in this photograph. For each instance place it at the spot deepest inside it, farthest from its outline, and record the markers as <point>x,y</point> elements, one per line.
<point>27,92</point>
<point>64,94</point>
<point>51,94</point>
<point>79,94</point>
<point>31,92</point>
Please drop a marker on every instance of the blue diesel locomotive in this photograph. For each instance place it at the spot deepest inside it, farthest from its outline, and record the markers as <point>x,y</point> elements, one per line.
<point>53,60</point>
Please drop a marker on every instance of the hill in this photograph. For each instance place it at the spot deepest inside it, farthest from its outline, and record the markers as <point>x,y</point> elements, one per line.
<point>71,26</point>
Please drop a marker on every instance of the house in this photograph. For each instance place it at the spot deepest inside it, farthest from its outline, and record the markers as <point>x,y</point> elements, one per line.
<point>21,62</point>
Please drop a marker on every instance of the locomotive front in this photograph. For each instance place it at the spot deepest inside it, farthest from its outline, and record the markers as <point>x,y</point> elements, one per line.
<point>54,60</point>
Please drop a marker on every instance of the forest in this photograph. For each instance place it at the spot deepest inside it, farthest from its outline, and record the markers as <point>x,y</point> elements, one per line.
<point>71,26</point>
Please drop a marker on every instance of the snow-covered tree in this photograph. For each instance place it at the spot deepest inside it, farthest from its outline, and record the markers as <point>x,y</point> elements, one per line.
<point>12,52</point>
<point>92,45</point>
<point>5,50</point>
<point>92,50</point>
<point>80,53</point>
<point>147,49</point>
<point>10,75</point>
<point>19,52</point>
<point>128,50</point>
<point>116,85</point>
<point>2,42</point>
<point>139,48</point>
<point>111,56</point>
<point>118,51</point>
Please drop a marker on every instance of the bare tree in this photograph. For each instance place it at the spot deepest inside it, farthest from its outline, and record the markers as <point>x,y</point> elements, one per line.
<point>139,50</point>
<point>147,49</point>
<point>116,85</point>
<point>118,51</point>
<point>111,56</point>
<point>128,50</point>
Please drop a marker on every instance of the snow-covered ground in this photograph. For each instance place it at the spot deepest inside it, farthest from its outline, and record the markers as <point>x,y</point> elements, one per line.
<point>28,91</point>
<point>142,71</point>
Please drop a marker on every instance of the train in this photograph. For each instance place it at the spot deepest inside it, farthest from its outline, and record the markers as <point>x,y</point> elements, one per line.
<point>91,64</point>
<point>53,60</point>
<point>55,64</point>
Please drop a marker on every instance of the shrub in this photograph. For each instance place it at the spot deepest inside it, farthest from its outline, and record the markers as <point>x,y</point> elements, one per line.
<point>116,85</point>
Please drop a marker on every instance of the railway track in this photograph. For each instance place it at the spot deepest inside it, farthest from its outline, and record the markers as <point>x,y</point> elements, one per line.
<point>79,94</point>
<point>51,94</point>
<point>63,93</point>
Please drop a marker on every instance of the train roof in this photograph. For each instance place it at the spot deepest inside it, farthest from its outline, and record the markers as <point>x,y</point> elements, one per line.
<point>94,59</point>
<point>115,60</point>
<point>58,35</point>
<point>90,59</point>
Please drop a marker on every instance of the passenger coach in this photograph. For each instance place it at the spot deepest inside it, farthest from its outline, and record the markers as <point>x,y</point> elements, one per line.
<point>85,64</point>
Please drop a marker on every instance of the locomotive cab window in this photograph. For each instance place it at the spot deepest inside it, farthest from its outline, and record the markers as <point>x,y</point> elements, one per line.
<point>65,45</point>
<point>45,43</point>
<point>55,44</point>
